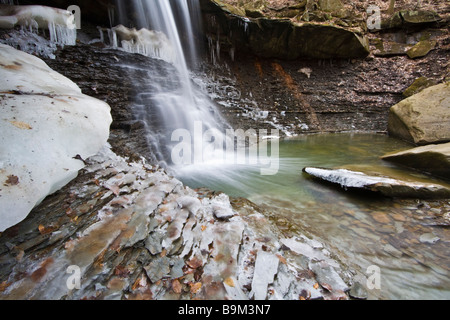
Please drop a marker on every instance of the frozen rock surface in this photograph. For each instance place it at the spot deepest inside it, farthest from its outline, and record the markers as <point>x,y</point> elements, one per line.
<point>149,43</point>
<point>60,23</point>
<point>381,183</point>
<point>134,232</point>
<point>42,29</point>
<point>47,127</point>
<point>34,16</point>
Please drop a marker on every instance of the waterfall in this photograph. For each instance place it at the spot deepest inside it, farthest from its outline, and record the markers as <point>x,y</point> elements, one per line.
<point>184,109</point>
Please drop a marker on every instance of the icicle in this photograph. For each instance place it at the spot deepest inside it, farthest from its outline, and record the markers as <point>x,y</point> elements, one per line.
<point>150,43</point>
<point>62,35</point>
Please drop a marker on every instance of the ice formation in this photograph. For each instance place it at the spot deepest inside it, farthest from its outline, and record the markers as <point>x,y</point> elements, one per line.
<point>150,43</point>
<point>390,184</point>
<point>347,178</point>
<point>47,126</point>
<point>59,23</point>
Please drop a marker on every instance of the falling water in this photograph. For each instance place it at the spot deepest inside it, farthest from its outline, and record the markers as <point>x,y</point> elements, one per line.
<point>186,106</point>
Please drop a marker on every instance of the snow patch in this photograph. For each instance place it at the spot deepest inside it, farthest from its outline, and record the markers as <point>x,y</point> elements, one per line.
<point>347,178</point>
<point>46,131</point>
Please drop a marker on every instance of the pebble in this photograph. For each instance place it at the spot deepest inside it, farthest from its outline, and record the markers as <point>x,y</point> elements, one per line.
<point>429,238</point>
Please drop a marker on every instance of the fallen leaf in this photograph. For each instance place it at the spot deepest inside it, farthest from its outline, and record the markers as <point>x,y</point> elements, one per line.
<point>12,180</point>
<point>327,287</point>
<point>121,272</point>
<point>195,287</point>
<point>46,230</point>
<point>21,125</point>
<point>114,188</point>
<point>229,282</point>
<point>69,245</point>
<point>176,286</point>
<point>4,285</point>
<point>282,259</point>
<point>204,228</point>
<point>194,263</point>
<point>316,286</point>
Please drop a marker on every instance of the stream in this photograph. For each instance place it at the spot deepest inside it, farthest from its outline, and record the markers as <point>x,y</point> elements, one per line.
<point>406,239</point>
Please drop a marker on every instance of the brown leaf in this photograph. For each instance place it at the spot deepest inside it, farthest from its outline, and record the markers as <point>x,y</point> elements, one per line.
<point>194,263</point>
<point>21,125</point>
<point>282,259</point>
<point>327,287</point>
<point>176,286</point>
<point>195,287</point>
<point>229,282</point>
<point>4,285</point>
<point>46,230</point>
<point>121,272</point>
<point>316,286</point>
<point>12,180</point>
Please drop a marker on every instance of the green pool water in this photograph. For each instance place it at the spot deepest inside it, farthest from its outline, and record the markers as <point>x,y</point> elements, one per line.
<point>407,239</point>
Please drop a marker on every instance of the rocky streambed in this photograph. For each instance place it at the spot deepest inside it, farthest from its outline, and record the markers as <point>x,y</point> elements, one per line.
<point>126,229</point>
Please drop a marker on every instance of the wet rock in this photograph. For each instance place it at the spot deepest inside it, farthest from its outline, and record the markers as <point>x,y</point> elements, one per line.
<point>266,266</point>
<point>328,278</point>
<point>424,117</point>
<point>358,291</point>
<point>158,269</point>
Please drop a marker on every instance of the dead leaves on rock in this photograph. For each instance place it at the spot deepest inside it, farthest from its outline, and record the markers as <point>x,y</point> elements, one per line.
<point>21,125</point>
<point>11,181</point>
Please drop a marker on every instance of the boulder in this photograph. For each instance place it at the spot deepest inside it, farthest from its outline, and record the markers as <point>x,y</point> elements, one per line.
<point>385,182</point>
<point>47,128</point>
<point>432,159</point>
<point>423,118</point>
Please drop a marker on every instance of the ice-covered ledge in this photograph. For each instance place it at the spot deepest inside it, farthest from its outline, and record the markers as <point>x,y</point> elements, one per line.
<point>59,22</point>
<point>387,182</point>
<point>46,126</point>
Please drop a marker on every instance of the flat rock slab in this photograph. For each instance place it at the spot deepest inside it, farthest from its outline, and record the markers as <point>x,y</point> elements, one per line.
<point>385,185</point>
<point>433,159</point>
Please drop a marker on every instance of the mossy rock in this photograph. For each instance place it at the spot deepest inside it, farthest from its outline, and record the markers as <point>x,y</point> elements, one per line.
<point>410,19</point>
<point>254,13</point>
<point>229,8</point>
<point>331,5</point>
<point>419,17</point>
<point>418,85</point>
<point>421,49</point>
